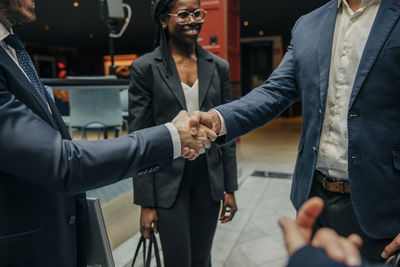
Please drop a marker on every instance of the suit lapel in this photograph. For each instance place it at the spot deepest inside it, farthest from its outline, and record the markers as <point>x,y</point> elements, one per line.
<point>205,71</point>
<point>172,80</point>
<point>385,20</point>
<point>326,33</point>
<point>28,90</point>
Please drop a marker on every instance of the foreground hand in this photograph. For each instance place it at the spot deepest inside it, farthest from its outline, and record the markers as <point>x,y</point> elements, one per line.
<point>297,233</point>
<point>148,221</point>
<point>209,119</point>
<point>229,208</point>
<point>391,248</point>
<point>191,144</point>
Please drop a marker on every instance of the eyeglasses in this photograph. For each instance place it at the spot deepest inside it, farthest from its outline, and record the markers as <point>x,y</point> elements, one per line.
<point>183,16</point>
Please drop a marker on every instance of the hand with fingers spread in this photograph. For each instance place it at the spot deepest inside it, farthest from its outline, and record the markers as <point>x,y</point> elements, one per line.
<point>229,208</point>
<point>192,145</point>
<point>297,234</point>
<point>148,221</point>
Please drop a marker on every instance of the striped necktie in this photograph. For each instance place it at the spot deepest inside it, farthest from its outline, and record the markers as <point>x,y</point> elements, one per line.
<point>26,63</point>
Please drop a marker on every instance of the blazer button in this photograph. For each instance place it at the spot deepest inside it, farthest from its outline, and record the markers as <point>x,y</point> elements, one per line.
<point>314,149</point>
<point>146,171</point>
<point>72,220</point>
<point>140,173</point>
<point>156,169</point>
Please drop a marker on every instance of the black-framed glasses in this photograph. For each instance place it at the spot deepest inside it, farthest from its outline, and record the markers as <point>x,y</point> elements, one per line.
<point>183,16</point>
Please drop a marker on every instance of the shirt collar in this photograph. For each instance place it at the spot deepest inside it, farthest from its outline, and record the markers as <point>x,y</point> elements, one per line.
<point>4,32</point>
<point>363,3</point>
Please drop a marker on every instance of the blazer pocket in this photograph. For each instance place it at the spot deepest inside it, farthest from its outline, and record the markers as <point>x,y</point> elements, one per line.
<point>396,160</point>
<point>393,50</point>
<point>21,247</point>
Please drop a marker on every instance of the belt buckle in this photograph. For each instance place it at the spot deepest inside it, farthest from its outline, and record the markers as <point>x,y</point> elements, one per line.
<point>324,183</point>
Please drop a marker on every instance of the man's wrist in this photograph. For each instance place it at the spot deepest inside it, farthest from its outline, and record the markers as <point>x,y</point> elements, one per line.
<point>176,140</point>
<point>219,122</point>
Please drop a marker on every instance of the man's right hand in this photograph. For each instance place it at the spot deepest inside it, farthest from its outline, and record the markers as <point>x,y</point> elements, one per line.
<point>192,144</point>
<point>148,221</point>
<point>209,119</point>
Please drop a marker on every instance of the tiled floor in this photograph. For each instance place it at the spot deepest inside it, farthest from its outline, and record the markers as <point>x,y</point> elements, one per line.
<point>253,238</point>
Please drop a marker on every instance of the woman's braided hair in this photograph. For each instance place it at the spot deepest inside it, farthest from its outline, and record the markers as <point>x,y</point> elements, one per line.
<point>159,7</point>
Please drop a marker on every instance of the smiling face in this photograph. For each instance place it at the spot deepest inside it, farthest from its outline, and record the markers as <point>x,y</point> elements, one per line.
<point>18,11</point>
<point>187,32</point>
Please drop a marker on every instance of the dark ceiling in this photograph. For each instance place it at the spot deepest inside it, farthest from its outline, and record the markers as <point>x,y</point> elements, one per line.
<point>70,26</point>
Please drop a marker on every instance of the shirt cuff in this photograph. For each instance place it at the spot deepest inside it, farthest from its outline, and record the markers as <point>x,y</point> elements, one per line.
<point>223,127</point>
<point>176,140</point>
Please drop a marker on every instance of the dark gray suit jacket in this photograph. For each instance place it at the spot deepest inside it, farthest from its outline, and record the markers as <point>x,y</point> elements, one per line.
<point>43,174</point>
<point>155,97</point>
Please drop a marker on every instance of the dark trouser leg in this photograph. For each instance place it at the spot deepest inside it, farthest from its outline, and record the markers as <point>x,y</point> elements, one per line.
<point>339,215</point>
<point>204,218</point>
<point>174,229</point>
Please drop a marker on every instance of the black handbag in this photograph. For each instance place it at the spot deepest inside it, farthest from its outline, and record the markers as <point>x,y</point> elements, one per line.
<point>147,258</point>
<point>394,260</point>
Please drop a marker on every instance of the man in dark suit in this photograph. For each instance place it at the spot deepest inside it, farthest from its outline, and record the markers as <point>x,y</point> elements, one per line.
<point>43,174</point>
<point>344,64</point>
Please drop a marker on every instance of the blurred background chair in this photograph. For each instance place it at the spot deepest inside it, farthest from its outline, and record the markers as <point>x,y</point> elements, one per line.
<point>125,107</point>
<point>95,109</point>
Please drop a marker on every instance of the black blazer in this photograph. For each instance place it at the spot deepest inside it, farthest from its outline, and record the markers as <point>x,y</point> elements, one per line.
<point>155,97</point>
<point>43,175</point>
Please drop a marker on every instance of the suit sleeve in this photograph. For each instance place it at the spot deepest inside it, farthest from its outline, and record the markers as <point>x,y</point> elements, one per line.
<point>263,103</point>
<point>314,257</point>
<point>140,117</point>
<point>228,150</point>
<point>31,150</point>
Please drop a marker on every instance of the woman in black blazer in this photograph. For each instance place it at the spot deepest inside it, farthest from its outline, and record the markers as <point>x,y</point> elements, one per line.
<point>183,202</point>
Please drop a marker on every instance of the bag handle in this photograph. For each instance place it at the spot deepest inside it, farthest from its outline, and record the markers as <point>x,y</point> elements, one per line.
<point>142,240</point>
<point>152,243</point>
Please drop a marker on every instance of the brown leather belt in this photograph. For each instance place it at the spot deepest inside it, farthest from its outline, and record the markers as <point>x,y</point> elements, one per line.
<point>332,185</point>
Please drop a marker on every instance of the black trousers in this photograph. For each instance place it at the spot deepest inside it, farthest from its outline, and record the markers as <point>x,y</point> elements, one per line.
<point>187,229</point>
<point>339,215</point>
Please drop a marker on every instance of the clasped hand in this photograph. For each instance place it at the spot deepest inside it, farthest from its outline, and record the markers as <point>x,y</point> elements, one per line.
<point>196,134</point>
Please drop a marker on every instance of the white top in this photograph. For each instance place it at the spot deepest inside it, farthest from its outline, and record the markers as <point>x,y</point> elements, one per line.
<point>351,34</point>
<point>191,96</point>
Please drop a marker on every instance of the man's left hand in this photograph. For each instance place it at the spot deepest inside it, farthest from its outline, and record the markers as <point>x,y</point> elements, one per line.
<point>391,248</point>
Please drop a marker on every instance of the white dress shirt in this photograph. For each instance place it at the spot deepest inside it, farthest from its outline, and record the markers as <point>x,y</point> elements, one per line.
<point>351,34</point>
<point>11,52</point>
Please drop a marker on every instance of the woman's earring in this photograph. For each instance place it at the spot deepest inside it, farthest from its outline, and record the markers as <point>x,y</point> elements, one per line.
<point>164,26</point>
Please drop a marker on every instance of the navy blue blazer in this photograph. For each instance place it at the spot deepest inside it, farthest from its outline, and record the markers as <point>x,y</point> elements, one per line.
<point>309,256</point>
<point>373,114</point>
<point>43,174</point>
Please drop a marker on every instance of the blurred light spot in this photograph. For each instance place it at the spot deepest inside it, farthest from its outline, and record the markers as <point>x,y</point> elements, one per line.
<point>261,33</point>
<point>246,23</point>
<point>76,4</point>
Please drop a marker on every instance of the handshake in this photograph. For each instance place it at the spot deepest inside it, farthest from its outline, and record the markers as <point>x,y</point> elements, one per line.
<point>196,131</point>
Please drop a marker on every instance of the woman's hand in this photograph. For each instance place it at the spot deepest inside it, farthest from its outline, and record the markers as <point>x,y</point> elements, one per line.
<point>148,221</point>
<point>229,208</point>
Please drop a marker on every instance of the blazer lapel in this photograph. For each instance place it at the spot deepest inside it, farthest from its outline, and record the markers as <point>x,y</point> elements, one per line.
<point>205,72</point>
<point>172,80</point>
<point>26,84</point>
<point>326,33</point>
<point>385,20</point>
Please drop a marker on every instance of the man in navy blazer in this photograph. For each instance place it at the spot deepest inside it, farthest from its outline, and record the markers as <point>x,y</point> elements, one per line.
<point>44,175</point>
<point>343,62</point>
